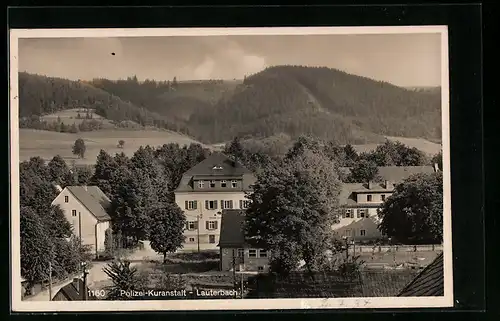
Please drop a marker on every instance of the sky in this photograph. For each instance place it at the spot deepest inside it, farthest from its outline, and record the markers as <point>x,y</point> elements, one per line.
<point>405,60</point>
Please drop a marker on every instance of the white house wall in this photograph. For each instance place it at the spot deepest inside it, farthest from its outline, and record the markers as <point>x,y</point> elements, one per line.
<point>88,220</point>
<point>191,242</point>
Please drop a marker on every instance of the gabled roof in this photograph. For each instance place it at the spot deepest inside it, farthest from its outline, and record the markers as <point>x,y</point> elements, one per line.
<point>395,174</point>
<point>226,167</point>
<point>93,199</point>
<point>216,166</point>
<point>429,282</point>
<point>71,293</point>
<point>231,231</point>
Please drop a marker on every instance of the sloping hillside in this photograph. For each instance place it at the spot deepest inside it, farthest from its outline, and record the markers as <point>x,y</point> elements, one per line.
<point>41,95</point>
<point>291,100</point>
<point>323,102</point>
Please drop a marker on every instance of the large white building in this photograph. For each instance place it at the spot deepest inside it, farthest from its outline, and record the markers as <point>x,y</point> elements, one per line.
<point>215,184</point>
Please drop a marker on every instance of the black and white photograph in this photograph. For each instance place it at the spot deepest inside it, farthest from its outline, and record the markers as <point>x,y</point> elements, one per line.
<point>230,168</point>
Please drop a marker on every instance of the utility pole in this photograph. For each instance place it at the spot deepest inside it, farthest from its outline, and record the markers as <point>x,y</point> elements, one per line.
<point>234,269</point>
<point>241,274</point>
<point>84,290</point>
<point>50,281</point>
<point>198,231</point>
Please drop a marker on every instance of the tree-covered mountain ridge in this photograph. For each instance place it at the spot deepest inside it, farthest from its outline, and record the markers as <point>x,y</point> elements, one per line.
<point>294,100</point>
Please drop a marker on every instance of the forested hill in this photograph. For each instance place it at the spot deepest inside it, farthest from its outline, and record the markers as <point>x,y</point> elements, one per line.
<point>292,100</point>
<point>324,102</point>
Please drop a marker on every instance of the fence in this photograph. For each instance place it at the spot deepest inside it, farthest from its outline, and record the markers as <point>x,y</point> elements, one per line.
<point>394,248</point>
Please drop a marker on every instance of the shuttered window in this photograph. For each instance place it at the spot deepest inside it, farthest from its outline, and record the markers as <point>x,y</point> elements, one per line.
<point>211,205</point>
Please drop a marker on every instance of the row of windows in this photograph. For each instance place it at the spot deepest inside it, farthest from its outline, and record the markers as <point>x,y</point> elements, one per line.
<point>222,183</point>
<point>361,213</point>
<point>255,253</point>
<point>369,197</point>
<point>352,232</point>
<point>211,239</point>
<point>212,205</point>
<point>209,225</point>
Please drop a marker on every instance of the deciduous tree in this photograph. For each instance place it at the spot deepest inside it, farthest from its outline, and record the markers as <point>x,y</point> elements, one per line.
<point>363,171</point>
<point>414,212</point>
<point>36,246</point>
<point>79,148</point>
<point>167,231</point>
<point>58,170</point>
<point>293,206</point>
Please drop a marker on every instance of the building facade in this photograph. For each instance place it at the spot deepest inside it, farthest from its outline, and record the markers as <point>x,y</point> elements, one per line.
<point>235,252</point>
<point>215,184</point>
<point>85,208</point>
<point>361,202</point>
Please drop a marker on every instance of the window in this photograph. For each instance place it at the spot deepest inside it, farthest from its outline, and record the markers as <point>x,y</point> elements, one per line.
<point>362,232</point>
<point>361,212</point>
<point>252,253</point>
<point>347,232</point>
<point>348,213</point>
<point>191,239</point>
<point>234,184</point>
<point>190,205</point>
<point>241,252</point>
<point>260,268</point>
<point>201,184</point>
<point>369,198</point>
<point>244,204</point>
<point>226,204</point>
<point>212,184</point>
<point>262,253</point>
<point>211,225</point>
<point>223,183</point>
<point>211,239</point>
<point>211,205</point>
<point>66,199</point>
<point>217,167</point>
<point>382,197</point>
<point>73,212</point>
<point>192,225</point>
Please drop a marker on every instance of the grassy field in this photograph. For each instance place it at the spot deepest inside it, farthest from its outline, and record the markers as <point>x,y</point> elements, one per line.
<point>70,116</point>
<point>47,144</point>
<point>428,147</point>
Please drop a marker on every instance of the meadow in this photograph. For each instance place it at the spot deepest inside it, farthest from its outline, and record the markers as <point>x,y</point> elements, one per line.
<point>47,144</point>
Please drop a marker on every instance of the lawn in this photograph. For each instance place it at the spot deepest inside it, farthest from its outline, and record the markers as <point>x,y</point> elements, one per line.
<point>47,144</point>
<point>426,146</point>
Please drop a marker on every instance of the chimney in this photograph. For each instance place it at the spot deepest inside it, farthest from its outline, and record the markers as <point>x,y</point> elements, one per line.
<point>370,185</point>
<point>85,188</point>
<point>388,185</point>
<point>436,167</point>
<point>76,284</point>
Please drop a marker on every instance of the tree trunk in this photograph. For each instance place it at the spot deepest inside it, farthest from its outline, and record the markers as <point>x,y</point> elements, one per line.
<point>164,257</point>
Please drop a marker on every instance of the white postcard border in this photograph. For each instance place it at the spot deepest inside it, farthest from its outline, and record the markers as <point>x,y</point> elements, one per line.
<point>233,304</point>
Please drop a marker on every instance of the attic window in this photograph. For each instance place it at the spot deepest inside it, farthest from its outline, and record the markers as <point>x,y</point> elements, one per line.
<point>217,167</point>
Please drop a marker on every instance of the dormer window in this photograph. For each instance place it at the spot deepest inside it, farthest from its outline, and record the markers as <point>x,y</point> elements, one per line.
<point>212,184</point>
<point>201,184</point>
<point>217,167</point>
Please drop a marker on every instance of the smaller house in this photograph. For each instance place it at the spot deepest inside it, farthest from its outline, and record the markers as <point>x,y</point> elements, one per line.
<point>74,291</point>
<point>236,254</point>
<point>429,282</point>
<point>361,202</point>
<point>85,207</point>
